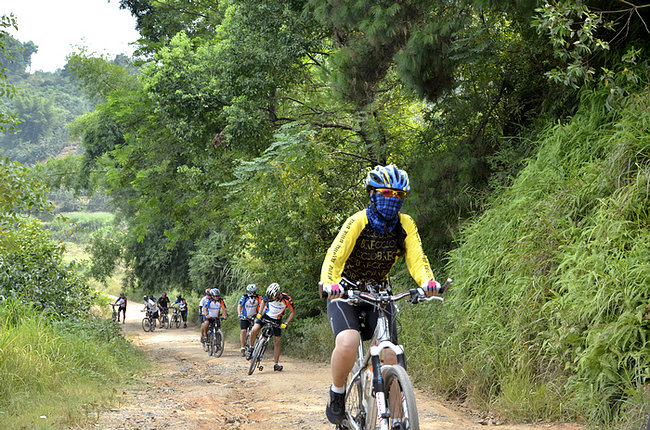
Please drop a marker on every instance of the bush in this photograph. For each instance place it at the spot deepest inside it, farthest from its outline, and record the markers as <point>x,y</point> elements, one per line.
<point>34,273</point>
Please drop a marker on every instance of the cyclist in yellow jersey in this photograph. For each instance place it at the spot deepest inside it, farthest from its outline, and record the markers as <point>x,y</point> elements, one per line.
<point>364,251</point>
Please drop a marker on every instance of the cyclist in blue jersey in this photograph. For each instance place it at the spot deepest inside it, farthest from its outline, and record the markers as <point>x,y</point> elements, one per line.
<point>212,310</point>
<point>182,307</point>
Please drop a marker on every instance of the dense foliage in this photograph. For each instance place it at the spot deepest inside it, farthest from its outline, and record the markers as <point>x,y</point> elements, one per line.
<point>48,365</point>
<point>549,311</point>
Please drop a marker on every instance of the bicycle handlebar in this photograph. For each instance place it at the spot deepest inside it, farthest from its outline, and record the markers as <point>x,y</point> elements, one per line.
<point>354,295</point>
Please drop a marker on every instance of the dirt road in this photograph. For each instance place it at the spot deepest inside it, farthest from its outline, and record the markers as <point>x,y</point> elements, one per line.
<point>188,389</point>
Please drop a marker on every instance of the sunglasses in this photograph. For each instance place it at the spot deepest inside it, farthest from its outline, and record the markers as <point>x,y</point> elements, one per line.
<point>386,192</point>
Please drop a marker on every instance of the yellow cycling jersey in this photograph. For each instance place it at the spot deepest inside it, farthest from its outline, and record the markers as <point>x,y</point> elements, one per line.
<point>360,254</point>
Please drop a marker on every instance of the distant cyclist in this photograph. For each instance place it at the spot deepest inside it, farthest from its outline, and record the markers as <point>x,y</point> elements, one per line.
<point>151,306</point>
<point>248,306</point>
<point>163,304</point>
<point>273,306</point>
<point>182,307</point>
<point>202,303</point>
<point>364,251</point>
<point>121,307</point>
<point>212,310</point>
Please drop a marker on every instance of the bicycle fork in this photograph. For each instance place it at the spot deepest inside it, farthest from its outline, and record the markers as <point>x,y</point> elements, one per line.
<point>383,410</point>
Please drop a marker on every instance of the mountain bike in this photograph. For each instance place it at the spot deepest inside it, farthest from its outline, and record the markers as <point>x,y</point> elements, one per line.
<point>175,319</point>
<point>247,342</point>
<point>380,396</point>
<point>261,343</point>
<point>148,322</point>
<point>115,311</point>
<point>164,318</point>
<point>215,340</point>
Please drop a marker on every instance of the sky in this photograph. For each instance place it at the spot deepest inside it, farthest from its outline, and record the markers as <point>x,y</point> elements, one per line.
<point>57,27</point>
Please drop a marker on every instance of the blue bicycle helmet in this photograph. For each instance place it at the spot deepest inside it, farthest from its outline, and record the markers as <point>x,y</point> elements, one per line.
<point>388,177</point>
<point>251,288</point>
<point>215,292</point>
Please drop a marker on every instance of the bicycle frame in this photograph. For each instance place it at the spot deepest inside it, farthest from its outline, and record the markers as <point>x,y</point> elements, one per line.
<point>213,330</point>
<point>259,348</point>
<point>378,343</point>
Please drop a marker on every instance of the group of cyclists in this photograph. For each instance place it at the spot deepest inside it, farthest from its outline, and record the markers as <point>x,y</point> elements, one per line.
<point>159,308</point>
<point>365,250</point>
<point>254,312</point>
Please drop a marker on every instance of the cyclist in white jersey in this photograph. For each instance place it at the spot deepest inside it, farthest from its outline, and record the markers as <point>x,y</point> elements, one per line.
<point>202,303</point>
<point>274,304</point>
<point>212,310</point>
<point>152,307</point>
<point>248,307</point>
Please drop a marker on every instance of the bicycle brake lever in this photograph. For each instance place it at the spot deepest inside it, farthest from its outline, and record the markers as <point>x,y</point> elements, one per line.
<point>418,296</point>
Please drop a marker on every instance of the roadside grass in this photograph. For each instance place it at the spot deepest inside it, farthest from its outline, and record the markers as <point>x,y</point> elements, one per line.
<point>58,374</point>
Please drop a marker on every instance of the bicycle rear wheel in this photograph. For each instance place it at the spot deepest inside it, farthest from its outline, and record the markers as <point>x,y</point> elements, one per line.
<point>146,324</point>
<point>400,398</point>
<point>219,343</point>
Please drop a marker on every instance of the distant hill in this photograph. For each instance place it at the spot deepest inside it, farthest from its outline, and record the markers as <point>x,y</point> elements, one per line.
<point>45,102</point>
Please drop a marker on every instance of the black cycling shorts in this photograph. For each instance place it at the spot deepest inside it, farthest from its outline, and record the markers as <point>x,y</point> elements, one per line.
<point>362,318</point>
<point>154,315</point>
<point>245,323</point>
<point>277,331</point>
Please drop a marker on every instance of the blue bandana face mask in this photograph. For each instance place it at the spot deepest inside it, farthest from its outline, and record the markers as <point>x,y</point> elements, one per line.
<point>386,216</point>
<point>388,207</point>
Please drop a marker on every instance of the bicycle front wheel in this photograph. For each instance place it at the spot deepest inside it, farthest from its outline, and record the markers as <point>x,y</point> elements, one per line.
<point>218,343</point>
<point>146,324</point>
<point>211,343</point>
<point>400,399</point>
<point>257,354</point>
<point>355,405</point>
<point>247,343</point>
<point>178,321</point>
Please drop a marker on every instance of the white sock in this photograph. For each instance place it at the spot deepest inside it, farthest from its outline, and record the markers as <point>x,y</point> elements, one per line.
<point>339,390</point>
